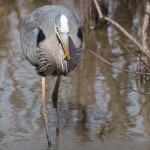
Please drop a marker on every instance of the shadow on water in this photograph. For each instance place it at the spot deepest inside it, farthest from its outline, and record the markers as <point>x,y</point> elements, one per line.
<point>97,109</point>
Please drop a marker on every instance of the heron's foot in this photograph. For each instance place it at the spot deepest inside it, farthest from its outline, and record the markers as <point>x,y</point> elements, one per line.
<point>57,125</point>
<point>57,130</point>
<point>45,115</point>
<point>48,135</point>
<point>56,120</point>
<point>49,141</point>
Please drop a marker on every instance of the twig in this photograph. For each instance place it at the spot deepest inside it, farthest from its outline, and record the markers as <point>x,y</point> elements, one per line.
<point>139,91</point>
<point>133,54</point>
<point>145,51</point>
<point>115,66</point>
<point>125,47</point>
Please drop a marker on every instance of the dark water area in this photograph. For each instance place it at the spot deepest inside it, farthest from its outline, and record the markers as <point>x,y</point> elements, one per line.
<point>97,109</point>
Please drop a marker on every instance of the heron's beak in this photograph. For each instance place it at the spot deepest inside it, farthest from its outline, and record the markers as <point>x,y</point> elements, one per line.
<point>65,44</point>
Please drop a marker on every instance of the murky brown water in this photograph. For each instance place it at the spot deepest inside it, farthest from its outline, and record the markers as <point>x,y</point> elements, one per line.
<point>97,109</point>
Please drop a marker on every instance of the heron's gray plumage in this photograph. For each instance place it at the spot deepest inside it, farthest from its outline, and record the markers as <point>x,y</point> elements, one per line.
<point>40,43</point>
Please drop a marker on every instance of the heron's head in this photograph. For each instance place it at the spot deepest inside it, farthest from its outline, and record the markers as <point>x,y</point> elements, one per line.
<point>62,28</point>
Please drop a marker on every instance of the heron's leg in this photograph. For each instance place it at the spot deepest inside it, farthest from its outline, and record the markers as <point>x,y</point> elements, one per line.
<point>54,100</point>
<point>44,111</point>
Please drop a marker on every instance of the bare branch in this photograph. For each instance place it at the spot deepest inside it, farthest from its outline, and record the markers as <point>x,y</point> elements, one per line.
<point>115,66</point>
<point>126,48</point>
<point>139,91</point>
<point>98,9</point>
<point>139,58</point>
<point>145,51</point>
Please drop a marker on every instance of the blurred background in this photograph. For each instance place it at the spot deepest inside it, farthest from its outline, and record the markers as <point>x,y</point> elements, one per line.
<point>97,108</point>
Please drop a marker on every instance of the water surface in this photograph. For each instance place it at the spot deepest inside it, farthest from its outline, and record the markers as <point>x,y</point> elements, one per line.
<point>97,109</point>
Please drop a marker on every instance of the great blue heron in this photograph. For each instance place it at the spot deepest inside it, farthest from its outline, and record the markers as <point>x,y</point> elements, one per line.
<point>51,40</point>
